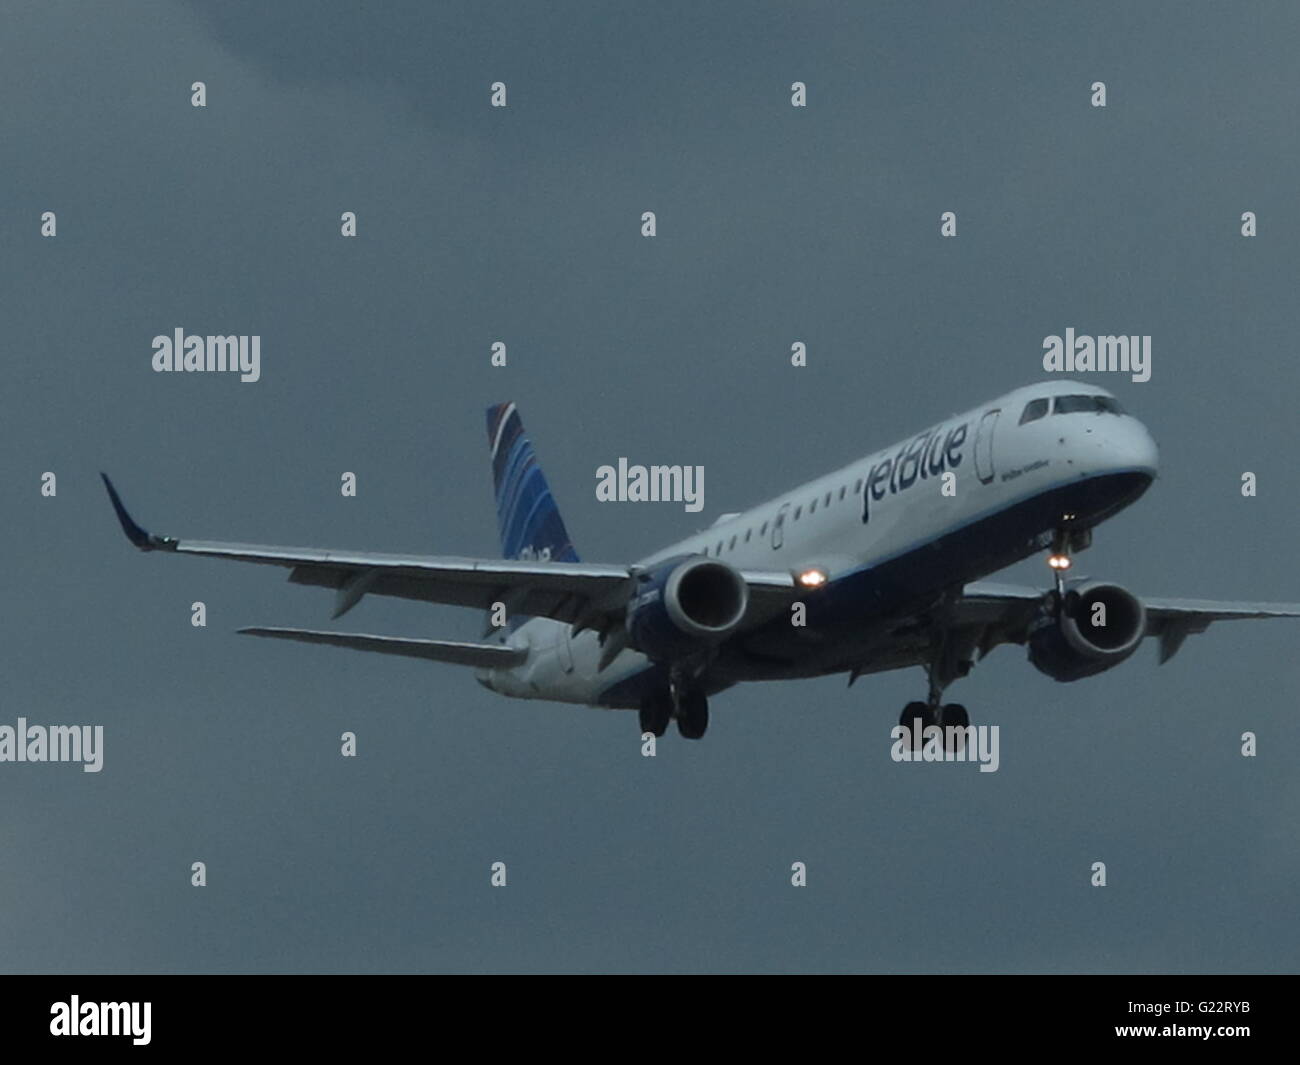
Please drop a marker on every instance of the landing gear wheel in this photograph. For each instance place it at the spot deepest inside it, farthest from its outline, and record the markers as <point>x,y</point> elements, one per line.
<point>913,712</point>
<point>656,712</point>
<point>954,716</point>
<point>693,715</point>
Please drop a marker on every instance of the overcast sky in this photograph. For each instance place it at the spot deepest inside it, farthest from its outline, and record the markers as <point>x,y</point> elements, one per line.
<point>775,224</point>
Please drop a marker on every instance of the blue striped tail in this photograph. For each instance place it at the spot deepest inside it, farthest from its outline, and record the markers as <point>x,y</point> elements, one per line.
<point>527,517</point>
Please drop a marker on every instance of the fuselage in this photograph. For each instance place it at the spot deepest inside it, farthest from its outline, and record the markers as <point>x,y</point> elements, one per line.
<point>893,532</point>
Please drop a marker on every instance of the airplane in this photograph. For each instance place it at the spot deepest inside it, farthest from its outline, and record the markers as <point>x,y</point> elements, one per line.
<point>876,566</point>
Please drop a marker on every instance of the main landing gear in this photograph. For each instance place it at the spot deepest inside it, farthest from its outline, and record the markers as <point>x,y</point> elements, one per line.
<point>918,716</point>
<point>951,657</point>
<point>689,706</point>
<point>945,716</point>
<point>953,714</point>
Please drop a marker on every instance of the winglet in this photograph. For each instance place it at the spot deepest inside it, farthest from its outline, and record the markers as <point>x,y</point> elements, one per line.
<point>138,536</point>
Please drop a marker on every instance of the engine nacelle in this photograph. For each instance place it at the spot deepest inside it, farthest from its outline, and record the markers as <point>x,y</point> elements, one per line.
<point>1099,626</point>
<point>685,605</point>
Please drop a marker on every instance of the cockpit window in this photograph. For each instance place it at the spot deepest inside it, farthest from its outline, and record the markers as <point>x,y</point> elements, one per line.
<point>1086,404</point>
<point>1034,409</point>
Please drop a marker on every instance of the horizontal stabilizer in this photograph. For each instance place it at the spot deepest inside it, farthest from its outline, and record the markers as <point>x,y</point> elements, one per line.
<point>483,655</point>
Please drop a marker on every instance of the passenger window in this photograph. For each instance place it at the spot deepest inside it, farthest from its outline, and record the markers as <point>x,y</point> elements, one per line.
<point>747,532</point>
<point>797,512</point>
<point>732,545</point>
<point>719,551</point>
<point>857,487</point>
<point>828,499</point>
<point>812,507</point>
<point>762,529</point>
<point>1034,410</point>
<point>843,488</point>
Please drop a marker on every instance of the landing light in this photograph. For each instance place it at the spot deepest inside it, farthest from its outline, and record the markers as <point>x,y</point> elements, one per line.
<point>811,578</point>
<point>1058,561</point>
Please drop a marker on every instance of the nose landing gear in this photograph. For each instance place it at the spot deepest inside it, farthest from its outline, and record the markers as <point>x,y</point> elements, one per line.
<point>1059,560</point>
<point>1065,540</point>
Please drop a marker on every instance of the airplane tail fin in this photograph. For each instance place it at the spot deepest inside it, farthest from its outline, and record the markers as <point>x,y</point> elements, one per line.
<point>527,517</point>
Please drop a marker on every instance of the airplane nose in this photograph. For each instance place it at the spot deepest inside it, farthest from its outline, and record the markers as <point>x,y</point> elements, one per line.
<point>1114,445</point>
<point>1145,455</point>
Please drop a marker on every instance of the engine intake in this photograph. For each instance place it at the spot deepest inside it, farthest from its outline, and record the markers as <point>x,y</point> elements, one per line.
<point>685,605</point>
<point>1097,628</point>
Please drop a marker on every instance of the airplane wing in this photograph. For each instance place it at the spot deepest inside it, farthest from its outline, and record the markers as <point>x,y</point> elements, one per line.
<point>586,594</point>
<point>1006,609</point>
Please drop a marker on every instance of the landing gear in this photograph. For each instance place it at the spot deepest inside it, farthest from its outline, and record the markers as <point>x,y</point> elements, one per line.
<point>951,657</point>
<point>656,712</point>
<point>954,721</point>
<point>916,718</point>
<point>1059,560</point>
<point>693,715</point>
<point>1065,540</point>
<point>948,715</point>
<point>690,707</point>
<point>954,715</point>
<point>914,712</point>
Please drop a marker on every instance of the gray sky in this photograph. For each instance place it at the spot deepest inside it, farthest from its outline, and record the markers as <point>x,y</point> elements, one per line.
<point>775,225</point>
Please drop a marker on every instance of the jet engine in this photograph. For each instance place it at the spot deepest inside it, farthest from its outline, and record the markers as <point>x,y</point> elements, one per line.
<point>684,605</point>
<point>1097,627</point>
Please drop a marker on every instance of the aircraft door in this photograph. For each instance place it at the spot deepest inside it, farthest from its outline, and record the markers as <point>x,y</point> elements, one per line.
<point>778,527</point>
<point>984,445</point>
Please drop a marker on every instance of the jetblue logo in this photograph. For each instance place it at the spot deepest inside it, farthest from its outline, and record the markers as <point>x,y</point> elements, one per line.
<point>929,455</point>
